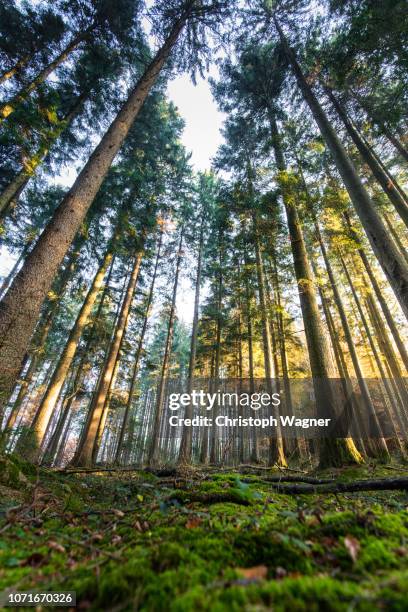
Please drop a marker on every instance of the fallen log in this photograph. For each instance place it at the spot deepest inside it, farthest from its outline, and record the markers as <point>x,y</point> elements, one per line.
<point>383,484</point>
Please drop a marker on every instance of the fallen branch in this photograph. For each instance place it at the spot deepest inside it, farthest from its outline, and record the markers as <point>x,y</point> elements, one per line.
<point>278,479</point>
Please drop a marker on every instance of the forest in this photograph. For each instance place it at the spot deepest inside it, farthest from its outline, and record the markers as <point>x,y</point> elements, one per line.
<point>124,475</point>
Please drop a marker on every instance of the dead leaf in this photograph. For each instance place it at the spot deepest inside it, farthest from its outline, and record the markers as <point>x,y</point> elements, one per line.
<point>97,537</point>
<point>193,522</point>
<point>353,547</point>
<point>56,546</point>
<point>258,572</point>
<point>118,513</point>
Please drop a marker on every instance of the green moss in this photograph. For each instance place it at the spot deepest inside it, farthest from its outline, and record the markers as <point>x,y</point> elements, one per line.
<point>395,525</point>
<point>375,555</point>
<point>297,594</point>
<point>184,556</point>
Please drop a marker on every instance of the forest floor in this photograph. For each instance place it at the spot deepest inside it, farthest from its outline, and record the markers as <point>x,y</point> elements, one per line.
<point>207,540</point>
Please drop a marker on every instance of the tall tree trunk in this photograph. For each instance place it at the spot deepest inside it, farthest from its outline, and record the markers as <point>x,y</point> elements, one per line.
<point>61,449</point>
<point>242,434</point>
<point>68,403</point>
<point>215,381</point>
<point>205,433</point>
<point>282,340</point>
<point>387,253</point>
<point>375,428</point>
<point>138,354</point>
<point>388,352</point>
<point>391,389</point>
<point>20,308</point>
<point>48,403</point>
<point>332,451</point>
<point>277,452</point>
<point>63,420</point>
<point>9,107</point>
<point>345,381</point>
<point>42,330</point>
<point>187,435</point>
<point>278,347</point>
<point>379,295</point>
<point>158,413</point>
<point>254,456</point>
<point>106,415</point>
<point>386,184</point>
<point>83,456</point>
<point>385,170</point>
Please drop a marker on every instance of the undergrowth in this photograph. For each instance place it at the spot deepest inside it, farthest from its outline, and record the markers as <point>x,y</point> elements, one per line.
<point>132,540</point>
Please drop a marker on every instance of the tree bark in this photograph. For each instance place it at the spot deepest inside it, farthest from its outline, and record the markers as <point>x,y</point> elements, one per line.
<point>332,451</point>
<point>215,381</point>
<point>48,403</point>
<point>54,441</point>
<point>282,339</point>
<point>84,455</point>
<point>187,435</point>
<point>385,484</point>
<point>41,333</point>
<point>378,438</point>
<point>254,456</point>
<point>138,354</point>
<point>277,453</point>
<point>158,413</point>
<point>393,397</point>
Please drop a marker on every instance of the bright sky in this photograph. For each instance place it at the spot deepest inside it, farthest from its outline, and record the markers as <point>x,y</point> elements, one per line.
<point>202,138</point>
<point>203,120</point>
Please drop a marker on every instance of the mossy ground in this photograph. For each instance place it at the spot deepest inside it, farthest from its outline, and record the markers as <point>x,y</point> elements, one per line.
<point>135,541</point>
